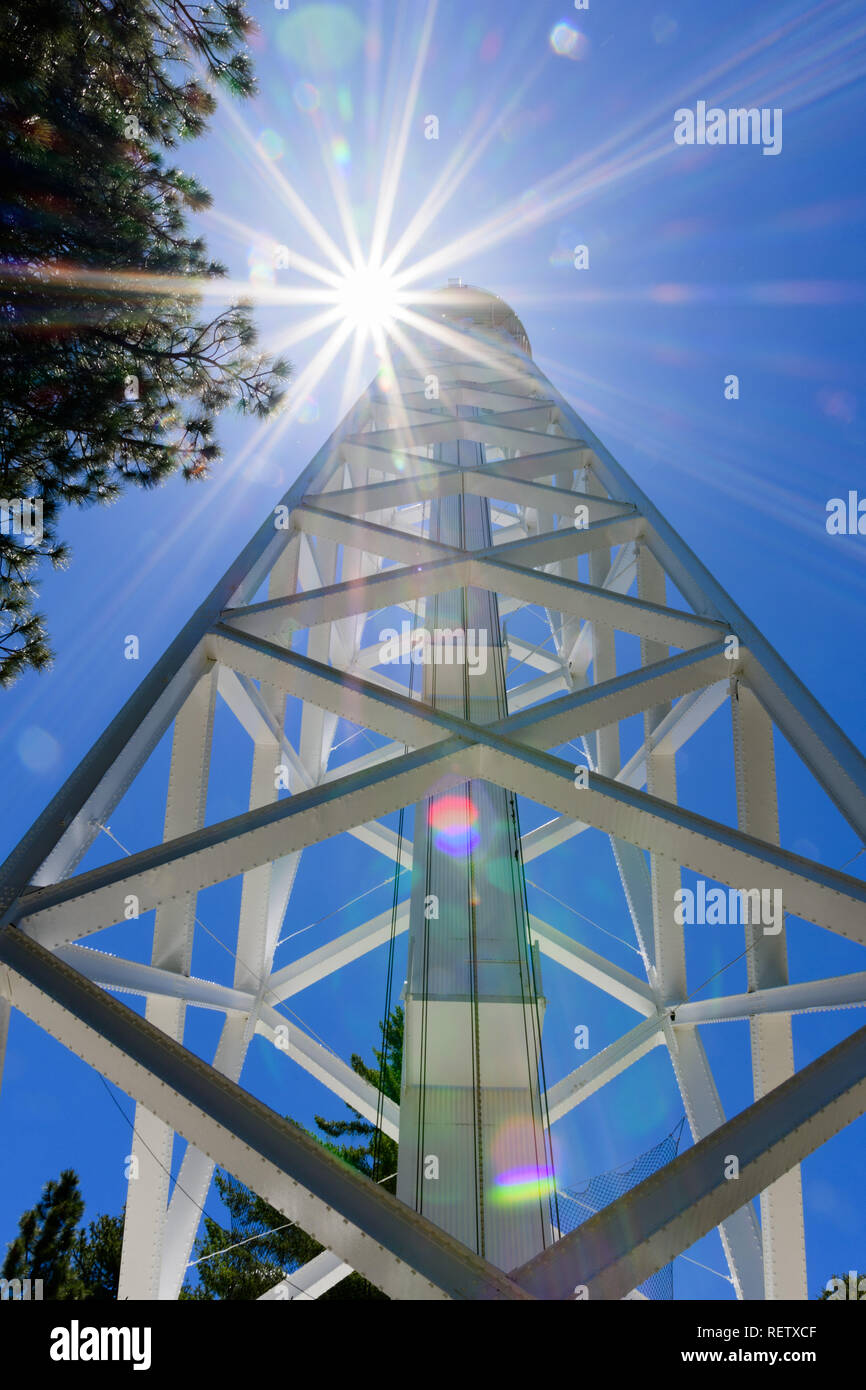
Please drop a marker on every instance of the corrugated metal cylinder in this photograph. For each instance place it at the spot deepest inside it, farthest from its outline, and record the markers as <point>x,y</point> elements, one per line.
<point>472,1142</point>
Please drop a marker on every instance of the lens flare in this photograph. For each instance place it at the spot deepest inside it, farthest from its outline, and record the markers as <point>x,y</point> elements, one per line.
<point>563,252</point>
<point>306,97</point>
<point>321,38</point>
<point>521,1185</point>
<point>367,298</point>
<point>38,750</point>
<point>454,822</point>
<point>664,28</point>
<point>385,378</point>
<point>260,259</point>
<point>491,46</point>
<point>271,145</point>
<point>567,42</point>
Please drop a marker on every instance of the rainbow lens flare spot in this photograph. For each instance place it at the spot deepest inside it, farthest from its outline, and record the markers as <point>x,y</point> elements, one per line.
<point>454,822</point>
<point>260,260</point>
<point>521,1185</point>
<point>271,145</point>
<point>307,97</point>
<point>386,379</point>
<point>567,42</point>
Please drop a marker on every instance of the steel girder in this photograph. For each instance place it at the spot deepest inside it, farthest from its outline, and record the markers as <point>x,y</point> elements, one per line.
<point>342,517</point>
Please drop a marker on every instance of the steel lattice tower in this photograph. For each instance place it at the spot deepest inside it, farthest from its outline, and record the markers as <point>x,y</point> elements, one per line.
<point>469,490</point>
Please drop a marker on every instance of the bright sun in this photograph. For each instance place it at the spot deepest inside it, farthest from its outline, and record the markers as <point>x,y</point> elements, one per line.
<point>367,298</point>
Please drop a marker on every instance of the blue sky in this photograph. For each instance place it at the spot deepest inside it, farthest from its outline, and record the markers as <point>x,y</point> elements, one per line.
<point>704,261</point>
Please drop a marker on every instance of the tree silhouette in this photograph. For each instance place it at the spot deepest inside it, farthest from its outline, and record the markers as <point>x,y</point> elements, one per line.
<point>110,376</point>
<point>241,1262</point>
<point>47,1238</point>
<point>272,1247</point>
<point>841,1287</point>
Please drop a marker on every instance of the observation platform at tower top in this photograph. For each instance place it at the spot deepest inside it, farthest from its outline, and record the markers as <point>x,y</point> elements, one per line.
<point>469,303</point>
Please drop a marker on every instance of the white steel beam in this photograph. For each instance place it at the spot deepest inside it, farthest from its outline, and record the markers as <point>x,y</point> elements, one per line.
<point>609,700</point>
<point>365,595</point>
<point>360,700</point>
<point>770,1034</point>
<point>619,983</point>
<point>810,996</point>
<point>371,536</point>
<point>313,1279</point>
<point>619,611</point>
<point>837,765</point>
<point>132,977</point>
<point>399,1251</point>
<point>73,909</point>
<point>148,1181</point>
<point>740,1233</point>
<point>687,715</point>
<point>264,891</point>
<point>331,1070</point>
<point>360,511</point>
<point>64,912</point>
<point>669,947</point>
<point>61,836</point>
<point>577,645</point>
<point>588,1078</point>
<point>821,895</point>
<point>644,1230</point>
<point>535,690</point>
<point>291,979</point>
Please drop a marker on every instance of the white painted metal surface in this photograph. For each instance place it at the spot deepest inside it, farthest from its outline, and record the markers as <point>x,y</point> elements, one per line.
<point>501,435</point>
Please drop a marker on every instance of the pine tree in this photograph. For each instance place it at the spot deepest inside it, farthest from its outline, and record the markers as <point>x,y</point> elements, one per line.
<point>265,1246</point>
<point>96,1258</point>
<point>377,1158</point>
<point>46,1241</point>
<point>81,1263</point>
<point>107,383</point>
<point>844,1287</point>
<point>72,1262</point>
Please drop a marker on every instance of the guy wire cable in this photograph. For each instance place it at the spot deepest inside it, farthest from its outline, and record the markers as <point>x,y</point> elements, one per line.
<point>525,964</point>
<point>386,1020</point>
<point>548,1134</point>
<point>478,1117</point>
<point>420,1125</point>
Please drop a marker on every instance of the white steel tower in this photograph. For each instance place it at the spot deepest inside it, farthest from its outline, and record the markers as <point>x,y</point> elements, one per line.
<point>468,490</point>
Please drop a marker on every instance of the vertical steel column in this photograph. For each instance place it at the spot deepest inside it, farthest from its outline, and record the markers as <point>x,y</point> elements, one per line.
<point>150,1158</point>
<point>264,893</point>
<point>472,1140</point>
<point>661,780</point>
<point>771,1037</point>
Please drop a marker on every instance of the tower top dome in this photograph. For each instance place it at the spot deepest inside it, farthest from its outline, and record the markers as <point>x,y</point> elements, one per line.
<point>467,302</point>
